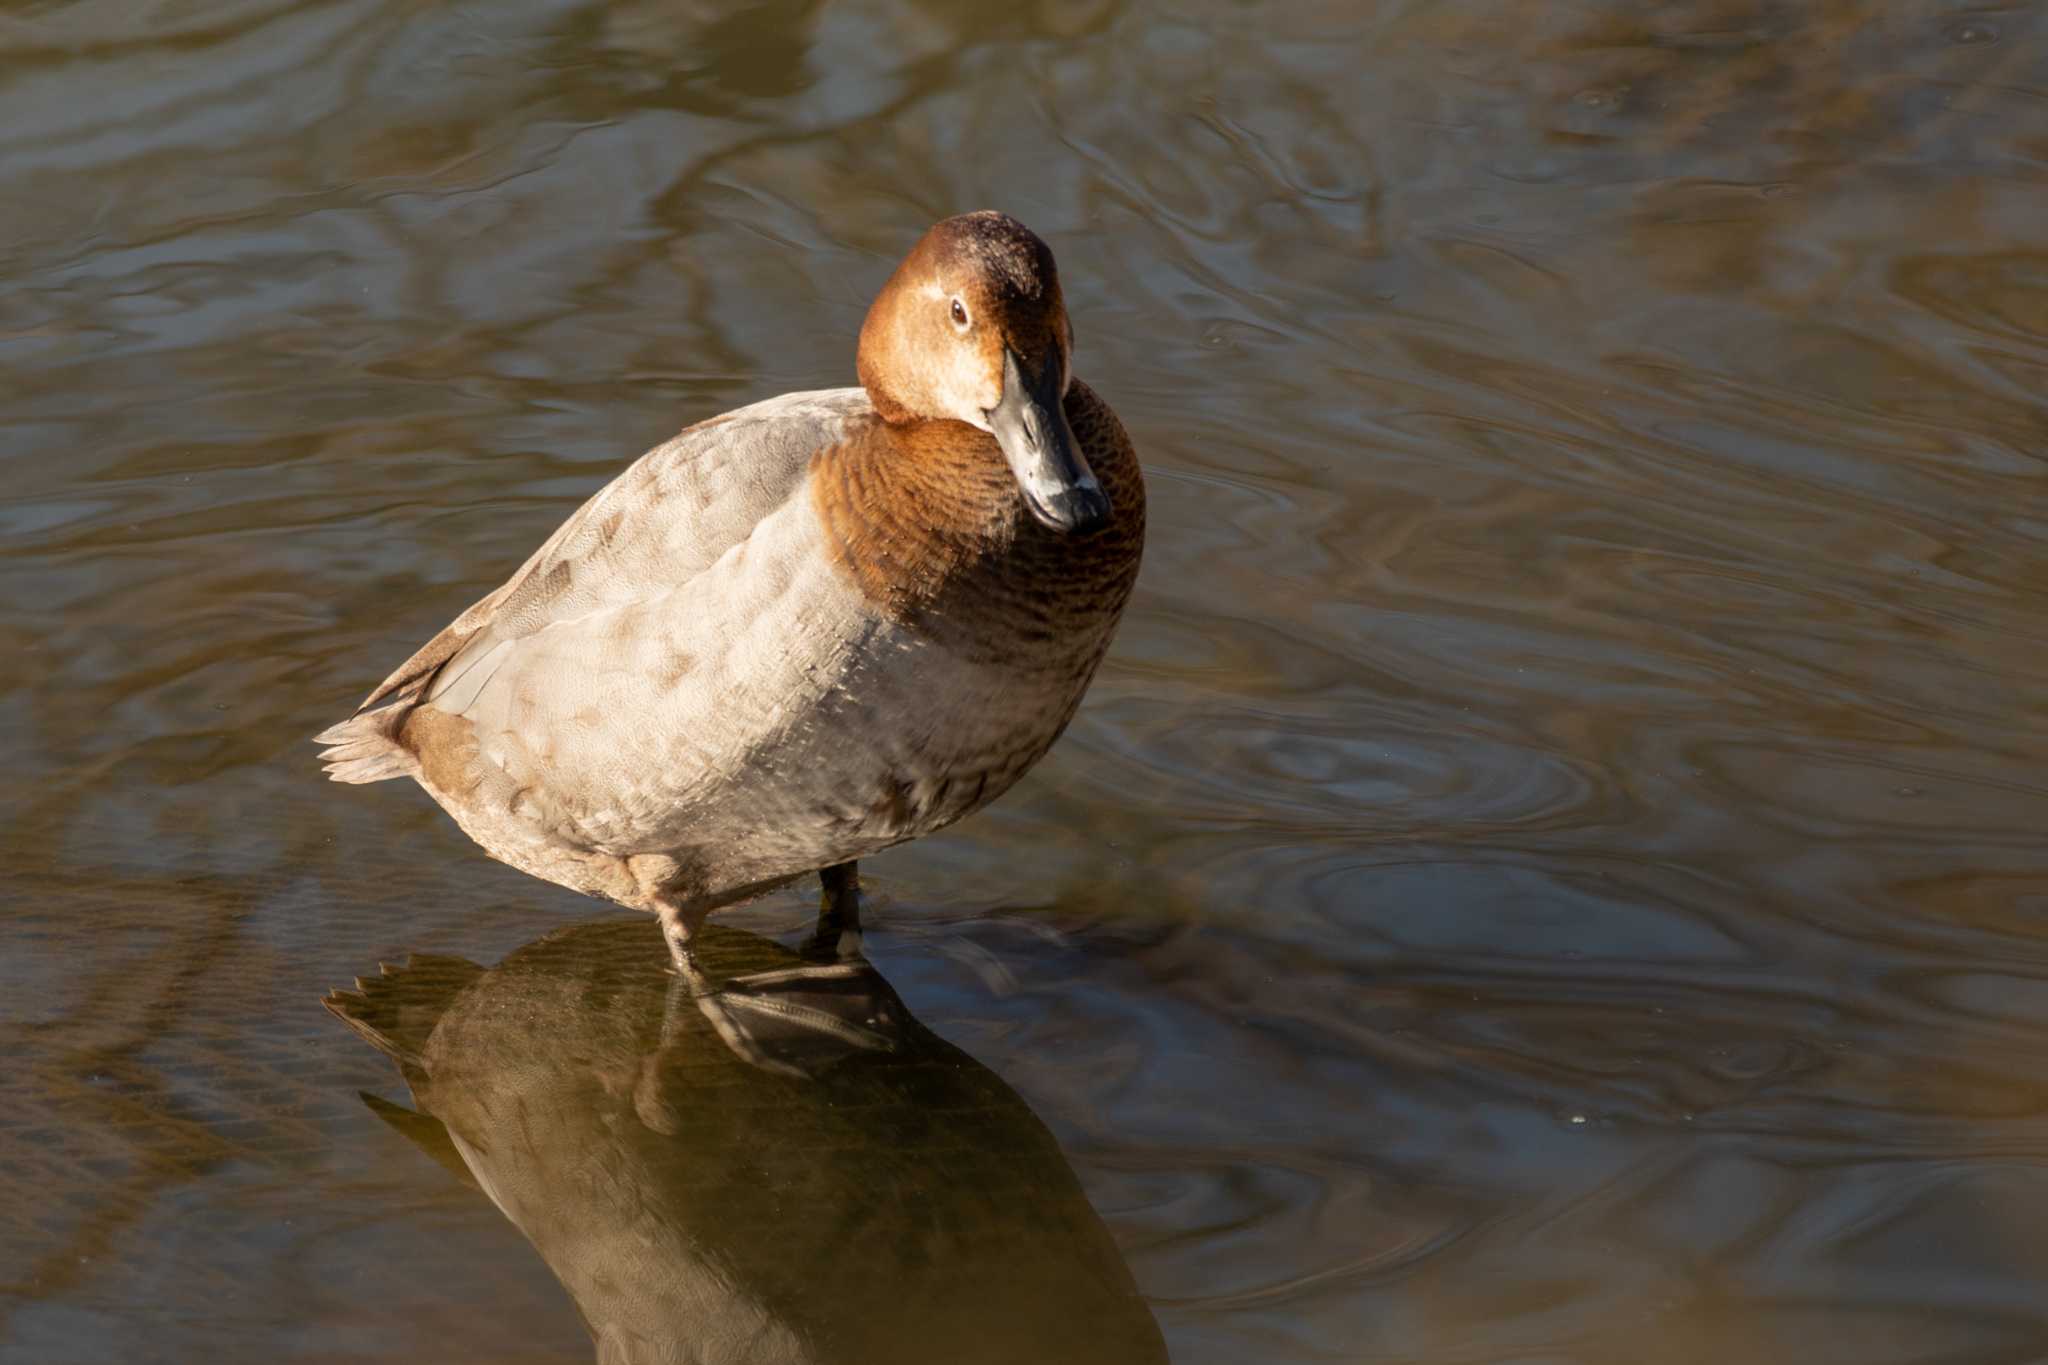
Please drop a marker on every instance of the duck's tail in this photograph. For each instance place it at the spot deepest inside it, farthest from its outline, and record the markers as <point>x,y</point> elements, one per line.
<point>395,1011</point>
<point>365,747</point>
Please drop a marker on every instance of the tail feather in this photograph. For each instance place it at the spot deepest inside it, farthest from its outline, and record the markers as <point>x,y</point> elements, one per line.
<point>365,747</point>
<point>395,1011</point>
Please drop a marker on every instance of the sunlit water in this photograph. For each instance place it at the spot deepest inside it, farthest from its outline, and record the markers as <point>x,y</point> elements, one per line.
<point>1553,869</point>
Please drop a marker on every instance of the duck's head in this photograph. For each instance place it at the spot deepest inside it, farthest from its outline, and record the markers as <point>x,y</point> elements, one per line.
<point>971,328</point>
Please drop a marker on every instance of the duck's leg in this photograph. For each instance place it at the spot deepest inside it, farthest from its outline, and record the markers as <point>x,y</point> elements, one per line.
<point>792,1020</point>
<point>678,928</point>
<point>838,932</point>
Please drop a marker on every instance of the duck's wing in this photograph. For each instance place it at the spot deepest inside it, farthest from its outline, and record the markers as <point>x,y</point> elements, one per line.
<point>668,517</point>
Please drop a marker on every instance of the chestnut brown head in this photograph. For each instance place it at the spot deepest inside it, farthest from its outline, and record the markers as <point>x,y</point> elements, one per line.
<point>971,328</point>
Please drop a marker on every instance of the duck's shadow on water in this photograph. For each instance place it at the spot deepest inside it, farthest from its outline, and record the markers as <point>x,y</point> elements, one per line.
<point>837,1183</point>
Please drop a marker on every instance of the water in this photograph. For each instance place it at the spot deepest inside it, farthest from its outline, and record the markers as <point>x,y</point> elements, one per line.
<point>1554,867</point>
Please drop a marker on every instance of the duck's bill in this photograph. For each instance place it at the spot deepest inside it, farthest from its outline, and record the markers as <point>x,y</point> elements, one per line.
<point>1031,427</point>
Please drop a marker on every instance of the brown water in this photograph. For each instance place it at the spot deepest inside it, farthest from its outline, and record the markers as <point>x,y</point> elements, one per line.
<point>1553,869</point>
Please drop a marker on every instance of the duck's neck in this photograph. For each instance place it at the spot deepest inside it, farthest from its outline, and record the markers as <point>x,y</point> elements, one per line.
<point>907,506</point>
<point>926,520</point>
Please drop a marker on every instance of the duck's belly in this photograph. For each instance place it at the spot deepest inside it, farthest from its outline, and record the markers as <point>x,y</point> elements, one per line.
<point>908,738</point>
<point>916,739</point>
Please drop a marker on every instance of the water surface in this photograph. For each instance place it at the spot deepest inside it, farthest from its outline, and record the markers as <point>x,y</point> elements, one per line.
<point>1553,869</point>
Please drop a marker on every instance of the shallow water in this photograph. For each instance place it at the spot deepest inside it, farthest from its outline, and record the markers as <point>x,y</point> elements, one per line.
<point>1553,869</point>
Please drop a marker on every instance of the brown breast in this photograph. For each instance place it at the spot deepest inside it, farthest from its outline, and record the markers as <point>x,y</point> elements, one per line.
<point>927,521</point>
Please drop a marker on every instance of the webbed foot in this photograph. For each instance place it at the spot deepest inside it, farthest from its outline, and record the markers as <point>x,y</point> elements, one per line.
<point>800,1020</point>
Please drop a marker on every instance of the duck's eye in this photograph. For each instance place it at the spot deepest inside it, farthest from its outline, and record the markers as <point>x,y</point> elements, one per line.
<point>959,313</point>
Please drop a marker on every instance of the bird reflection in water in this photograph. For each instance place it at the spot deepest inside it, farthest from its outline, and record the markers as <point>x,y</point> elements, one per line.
<point>792,1169</point>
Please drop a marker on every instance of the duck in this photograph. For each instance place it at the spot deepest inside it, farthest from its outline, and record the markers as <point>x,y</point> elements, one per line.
<point>800,632</point>
<point>674,1184</point>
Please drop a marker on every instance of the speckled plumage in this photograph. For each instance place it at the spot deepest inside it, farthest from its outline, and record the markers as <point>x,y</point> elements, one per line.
<point>790,637</point>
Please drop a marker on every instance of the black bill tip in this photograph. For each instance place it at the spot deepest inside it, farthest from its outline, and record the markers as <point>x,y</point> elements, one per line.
<point>1075,510</point>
